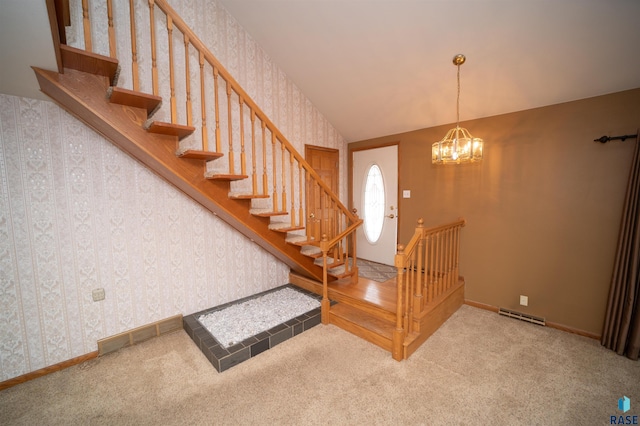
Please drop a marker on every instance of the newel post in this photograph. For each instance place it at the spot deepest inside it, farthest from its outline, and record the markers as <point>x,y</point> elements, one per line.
<point>397,351</point>
<point>325,304</point>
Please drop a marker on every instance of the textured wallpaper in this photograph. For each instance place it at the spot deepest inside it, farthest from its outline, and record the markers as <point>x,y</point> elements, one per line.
<point>78,214</point>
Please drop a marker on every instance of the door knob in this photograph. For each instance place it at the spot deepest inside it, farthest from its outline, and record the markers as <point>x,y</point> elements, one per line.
<point>312,216</point>
<point>391,216</point>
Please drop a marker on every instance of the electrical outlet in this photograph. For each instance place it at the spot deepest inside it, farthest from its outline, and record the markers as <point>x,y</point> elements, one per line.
<point>98,294</point>
<point>524,300</point>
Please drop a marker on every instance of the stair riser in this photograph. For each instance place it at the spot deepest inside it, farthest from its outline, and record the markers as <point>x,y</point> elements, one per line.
<point>434,317</point>
<point>361,332</point>
<point>316,287</point>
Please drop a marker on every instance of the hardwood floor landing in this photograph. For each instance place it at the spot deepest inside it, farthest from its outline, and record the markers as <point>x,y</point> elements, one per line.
<point>382,295</point>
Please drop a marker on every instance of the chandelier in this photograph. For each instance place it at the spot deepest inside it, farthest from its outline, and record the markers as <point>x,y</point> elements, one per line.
<point>457,146</point>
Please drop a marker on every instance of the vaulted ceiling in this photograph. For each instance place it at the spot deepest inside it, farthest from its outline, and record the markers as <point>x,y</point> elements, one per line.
<point>378,67</point>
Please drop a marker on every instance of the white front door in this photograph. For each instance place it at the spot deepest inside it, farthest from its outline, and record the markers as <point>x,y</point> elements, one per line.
<point>375,196</point>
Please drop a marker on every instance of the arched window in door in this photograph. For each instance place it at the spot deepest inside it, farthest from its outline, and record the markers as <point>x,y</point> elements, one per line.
<point>374,202</point>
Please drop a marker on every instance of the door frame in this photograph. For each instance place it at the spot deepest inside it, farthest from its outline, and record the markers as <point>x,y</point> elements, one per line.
<point>350,177</point>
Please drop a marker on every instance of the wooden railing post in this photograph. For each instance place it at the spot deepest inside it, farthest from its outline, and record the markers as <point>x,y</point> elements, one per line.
<point>397,350</point>
<point>325,304</point>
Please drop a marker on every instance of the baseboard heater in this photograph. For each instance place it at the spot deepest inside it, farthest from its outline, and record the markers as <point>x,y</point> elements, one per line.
<point>521,316</point>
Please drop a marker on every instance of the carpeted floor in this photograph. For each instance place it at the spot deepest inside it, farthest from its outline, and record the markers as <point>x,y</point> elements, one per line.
<point>478,369</point>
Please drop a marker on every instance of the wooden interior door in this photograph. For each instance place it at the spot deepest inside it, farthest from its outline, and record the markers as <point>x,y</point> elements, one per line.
<point>322,214</point>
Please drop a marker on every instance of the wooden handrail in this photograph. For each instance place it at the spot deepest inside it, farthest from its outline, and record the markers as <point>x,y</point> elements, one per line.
<point>213,61</point>
<point>427,268</point>
<point>337,221</point>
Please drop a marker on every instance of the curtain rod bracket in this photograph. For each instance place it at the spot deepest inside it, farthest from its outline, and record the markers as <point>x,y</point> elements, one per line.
<point>605,139</point>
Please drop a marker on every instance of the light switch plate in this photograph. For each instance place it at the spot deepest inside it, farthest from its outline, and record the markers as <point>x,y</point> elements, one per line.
<point>406,193</point>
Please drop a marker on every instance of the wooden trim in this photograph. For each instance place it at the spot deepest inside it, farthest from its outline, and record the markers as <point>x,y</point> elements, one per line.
<point>557,326</point>
<point>47,370</point>
<point>481,305</point>
<point>573,330</point>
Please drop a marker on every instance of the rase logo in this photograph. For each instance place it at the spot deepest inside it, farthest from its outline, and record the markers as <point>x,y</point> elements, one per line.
<point>624,405</point>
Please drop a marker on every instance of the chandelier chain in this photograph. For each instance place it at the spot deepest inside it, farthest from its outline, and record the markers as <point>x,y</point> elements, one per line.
<point>458,100</point>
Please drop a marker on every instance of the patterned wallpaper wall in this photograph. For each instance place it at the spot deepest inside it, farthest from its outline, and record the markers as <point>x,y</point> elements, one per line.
<point>77,214</point>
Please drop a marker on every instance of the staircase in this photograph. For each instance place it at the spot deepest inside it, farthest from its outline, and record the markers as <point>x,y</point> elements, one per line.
<point>223,151</point>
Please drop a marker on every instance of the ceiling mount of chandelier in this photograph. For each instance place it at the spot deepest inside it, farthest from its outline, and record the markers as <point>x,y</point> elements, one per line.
<point>457,146</point>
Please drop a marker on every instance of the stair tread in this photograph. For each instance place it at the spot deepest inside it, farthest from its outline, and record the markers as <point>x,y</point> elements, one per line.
<point>284,227</point>
<point>312,251</point>
<point>122,96</point>
<point>200,155</point>
<point>171,129</point>
<point>303,241</point>
<point>235,196</point>
<point>377,325</point>
<point>267,213</point>
<point>222,176</point>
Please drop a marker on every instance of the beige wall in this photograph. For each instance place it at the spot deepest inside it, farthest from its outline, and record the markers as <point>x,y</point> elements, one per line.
<point>543,209</point>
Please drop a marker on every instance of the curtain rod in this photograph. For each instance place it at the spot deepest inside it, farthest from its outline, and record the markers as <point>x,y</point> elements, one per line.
<point>606,139</point>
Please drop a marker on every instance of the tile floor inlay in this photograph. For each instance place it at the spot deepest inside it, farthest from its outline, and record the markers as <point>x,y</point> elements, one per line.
<point>223,357</point>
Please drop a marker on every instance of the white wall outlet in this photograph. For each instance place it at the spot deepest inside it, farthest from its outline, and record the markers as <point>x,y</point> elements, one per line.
<point>524,300</point>
<point>406,193</point>
<point>98,294</point>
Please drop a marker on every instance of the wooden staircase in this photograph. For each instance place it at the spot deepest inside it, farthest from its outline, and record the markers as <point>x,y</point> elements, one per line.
<point>86,85</point>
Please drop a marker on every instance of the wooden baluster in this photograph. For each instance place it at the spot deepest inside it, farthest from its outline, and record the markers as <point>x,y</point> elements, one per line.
<point>275,175</point>
<point>86,23</point>
<point>432,266</point>
<point>284,180</point>
<point>440,269</point>
<point>243,156</point>
<point>408,296</point>
<point>300,195</point>
<point>154,62</point>
<point>320,223</point>
<point>254,173</point>
<point>265,180</point>
<point>134,49</point>
<point>425,274</point>
<point>293,201</point>
<point>112,32</point>
<point>450,258</point>
<point>457,268</point>
<point>309,221</point>
<point>418,300</point>
<point>217,108</point>
<point>328,214</point>
<point>172,86</point>
<point>354,255</point>
<point>203,108</point>
<point>230,123</point>
<point>187,74</point>
<point>445,259</point>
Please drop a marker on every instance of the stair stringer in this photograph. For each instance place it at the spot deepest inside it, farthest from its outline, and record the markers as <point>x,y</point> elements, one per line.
<point>83,95</point>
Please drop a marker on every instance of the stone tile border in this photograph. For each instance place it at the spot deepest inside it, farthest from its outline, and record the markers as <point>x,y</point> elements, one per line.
<point>222,359</point>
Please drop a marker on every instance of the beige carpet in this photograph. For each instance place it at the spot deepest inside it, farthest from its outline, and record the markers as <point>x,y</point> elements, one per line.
<point>478,369</point>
